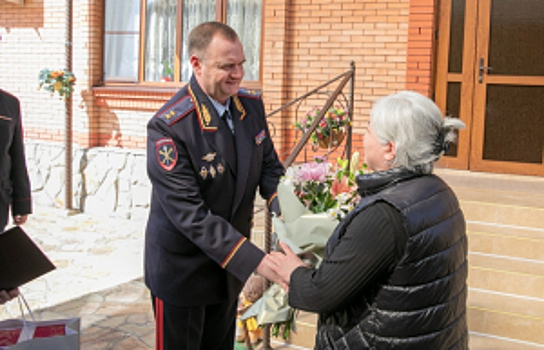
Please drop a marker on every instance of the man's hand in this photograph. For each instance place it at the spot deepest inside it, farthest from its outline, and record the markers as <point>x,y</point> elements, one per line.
<point>19,219</point>
<point>8,295</point>
<point>267,269</point>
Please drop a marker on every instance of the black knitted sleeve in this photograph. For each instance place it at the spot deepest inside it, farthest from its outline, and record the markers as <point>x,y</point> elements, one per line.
<point>369,248</point>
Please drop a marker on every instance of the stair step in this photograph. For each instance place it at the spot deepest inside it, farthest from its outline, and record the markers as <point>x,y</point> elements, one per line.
<point>522,242</point>
<point>479,341</point>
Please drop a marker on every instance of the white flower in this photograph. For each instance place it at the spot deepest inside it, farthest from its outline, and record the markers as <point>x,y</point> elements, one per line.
<point>290,176</point>
<point>342,198</point>
<point>333,213</point>
<point>348,207</point>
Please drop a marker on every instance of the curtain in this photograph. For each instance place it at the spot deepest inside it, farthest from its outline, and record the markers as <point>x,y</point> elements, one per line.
<point>244,16</point>
<point>194,13</point>
<point>160,46</point>
<point>122,39</point>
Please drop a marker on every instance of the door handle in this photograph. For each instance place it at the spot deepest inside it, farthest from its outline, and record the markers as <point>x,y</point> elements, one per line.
<point>481,71</point>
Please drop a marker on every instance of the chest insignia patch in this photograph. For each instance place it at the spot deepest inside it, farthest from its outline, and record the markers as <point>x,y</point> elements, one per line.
<point>166,153</point>
<point>212,171</point>
<point>259,138</point>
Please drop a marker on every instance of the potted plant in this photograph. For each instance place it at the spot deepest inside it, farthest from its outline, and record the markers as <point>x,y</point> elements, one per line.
<point>60,81</point>
<point>330,130</point>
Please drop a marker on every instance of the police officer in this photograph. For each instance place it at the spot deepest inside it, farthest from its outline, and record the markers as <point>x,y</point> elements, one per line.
<point>14,182</point>
<point>208,150</point>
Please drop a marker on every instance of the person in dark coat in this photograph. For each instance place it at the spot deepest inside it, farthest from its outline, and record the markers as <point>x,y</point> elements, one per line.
<point>395,269</point>
<point>208,151</point>
<point>14,183</point>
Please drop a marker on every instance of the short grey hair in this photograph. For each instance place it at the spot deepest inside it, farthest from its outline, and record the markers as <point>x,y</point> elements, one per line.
<point>416,125</point>
<point>201,36</point>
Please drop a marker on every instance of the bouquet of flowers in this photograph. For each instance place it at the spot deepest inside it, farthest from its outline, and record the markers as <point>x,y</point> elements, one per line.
<point>330,130</point>
<point>313,198</point>
<point>61,81</point>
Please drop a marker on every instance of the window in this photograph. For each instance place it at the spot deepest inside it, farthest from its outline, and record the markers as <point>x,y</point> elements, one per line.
<point>146,40</point>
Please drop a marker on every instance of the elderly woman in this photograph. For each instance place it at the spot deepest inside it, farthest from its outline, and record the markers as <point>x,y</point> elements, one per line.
<point>395,269</point>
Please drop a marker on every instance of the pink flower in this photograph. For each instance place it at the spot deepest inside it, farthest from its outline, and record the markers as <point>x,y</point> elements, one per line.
<point>340,187</point>
<point>313,172</point>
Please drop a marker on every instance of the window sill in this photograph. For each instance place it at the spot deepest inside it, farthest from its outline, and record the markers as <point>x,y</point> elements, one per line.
<point>142,97</point>
<point>133,97</point>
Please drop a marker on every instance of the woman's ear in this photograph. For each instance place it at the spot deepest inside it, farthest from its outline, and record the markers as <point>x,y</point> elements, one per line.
<point>390,151</point>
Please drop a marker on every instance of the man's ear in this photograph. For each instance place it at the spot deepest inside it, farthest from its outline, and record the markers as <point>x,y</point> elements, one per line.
<point>390,152</point>
<point>196,64</point>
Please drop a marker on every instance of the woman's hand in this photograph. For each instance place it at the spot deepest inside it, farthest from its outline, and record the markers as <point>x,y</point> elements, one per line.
<point>285,263</point>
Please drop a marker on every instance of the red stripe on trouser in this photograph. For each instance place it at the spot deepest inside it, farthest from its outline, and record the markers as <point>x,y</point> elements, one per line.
<point>159,323</point>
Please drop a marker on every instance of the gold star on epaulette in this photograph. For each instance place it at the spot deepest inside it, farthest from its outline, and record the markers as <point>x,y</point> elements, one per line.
<point>206,115</point>
<point>170,115</point>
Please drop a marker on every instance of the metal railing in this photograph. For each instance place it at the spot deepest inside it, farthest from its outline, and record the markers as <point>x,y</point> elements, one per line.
<point>344,78</point>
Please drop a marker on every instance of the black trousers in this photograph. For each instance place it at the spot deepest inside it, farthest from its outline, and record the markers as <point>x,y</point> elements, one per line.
<point>210,327</point>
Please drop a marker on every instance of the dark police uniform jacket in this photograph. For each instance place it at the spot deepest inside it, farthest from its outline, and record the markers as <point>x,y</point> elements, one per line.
<point>197,248</point>
<point>14,183</point>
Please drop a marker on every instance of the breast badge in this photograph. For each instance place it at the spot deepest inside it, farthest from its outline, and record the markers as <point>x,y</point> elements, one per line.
<point>166,153</point>
<point>209,157</point>
<point>204,172</point>
<point>212,171</point>
<point>260,137</point>
<point>220,168</point>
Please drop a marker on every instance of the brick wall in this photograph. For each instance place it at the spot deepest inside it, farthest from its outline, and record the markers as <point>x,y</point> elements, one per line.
<point>306,43</point>
<point>32,38</point>
<point>420,46</point>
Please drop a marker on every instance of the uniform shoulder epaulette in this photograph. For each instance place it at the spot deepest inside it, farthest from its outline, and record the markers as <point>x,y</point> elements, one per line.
<point>177,110</point>
<point>248,93</point>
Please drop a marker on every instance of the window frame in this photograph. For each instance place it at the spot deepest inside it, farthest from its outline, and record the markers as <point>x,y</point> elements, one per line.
<point>140,84</point>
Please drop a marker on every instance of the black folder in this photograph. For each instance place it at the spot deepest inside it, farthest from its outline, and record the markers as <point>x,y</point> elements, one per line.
<point>21,260</point>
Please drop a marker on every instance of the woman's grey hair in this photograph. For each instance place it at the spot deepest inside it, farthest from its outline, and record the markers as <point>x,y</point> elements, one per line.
<point>416,125</point>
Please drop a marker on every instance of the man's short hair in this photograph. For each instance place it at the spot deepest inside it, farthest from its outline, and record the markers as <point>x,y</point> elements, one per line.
<point>201,36</point>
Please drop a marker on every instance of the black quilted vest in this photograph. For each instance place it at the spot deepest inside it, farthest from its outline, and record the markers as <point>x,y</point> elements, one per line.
<point>422,303</point>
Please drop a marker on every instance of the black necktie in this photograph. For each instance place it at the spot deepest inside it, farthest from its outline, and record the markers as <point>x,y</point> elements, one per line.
<point>228,119</point>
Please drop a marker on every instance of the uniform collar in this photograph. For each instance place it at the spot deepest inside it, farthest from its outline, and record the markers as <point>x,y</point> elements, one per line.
<point>220,108</point>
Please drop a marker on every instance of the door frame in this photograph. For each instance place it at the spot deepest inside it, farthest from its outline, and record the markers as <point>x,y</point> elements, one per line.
<point>473,93</point>
<point>465,78</point>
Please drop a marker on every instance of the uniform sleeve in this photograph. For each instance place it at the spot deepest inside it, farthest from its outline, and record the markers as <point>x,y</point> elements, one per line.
<point>21,197</point>
<point>176,188</point>
<point>366,251</point>
<point>271,173</point>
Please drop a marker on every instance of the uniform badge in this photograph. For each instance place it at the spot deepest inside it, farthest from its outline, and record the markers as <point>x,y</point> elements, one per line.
<point>212,171</point>
<point>220,168</point>
<point>209,157</point>
<point>5,118</point>
<point>166,153</point>
<point>205,114</point>
<point>204,172</point>
<point>260,137</point>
